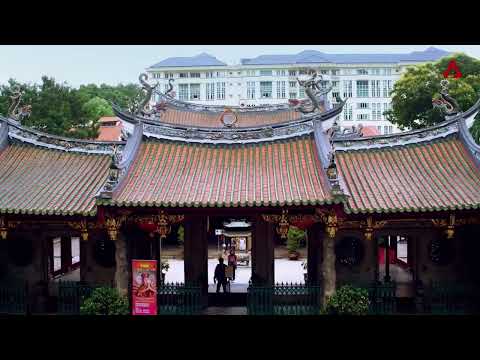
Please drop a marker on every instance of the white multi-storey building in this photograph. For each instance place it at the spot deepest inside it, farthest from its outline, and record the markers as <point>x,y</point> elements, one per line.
<point>365,79</point>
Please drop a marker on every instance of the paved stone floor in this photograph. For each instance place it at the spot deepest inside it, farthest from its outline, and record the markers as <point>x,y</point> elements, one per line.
<point>236,310</point>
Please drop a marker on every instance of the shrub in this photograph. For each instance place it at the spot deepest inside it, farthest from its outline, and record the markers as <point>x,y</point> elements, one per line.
<point>293,238</point>
<point>105,301</point>
<point>348,300</point>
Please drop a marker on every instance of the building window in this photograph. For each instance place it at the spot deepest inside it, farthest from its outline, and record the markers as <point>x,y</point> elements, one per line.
<point>389,86</point>
<point>362,72</point>
<point>210,90</point>
<point>376,88</point>
<point>375,71</point>
<point>281,90</point>
<point>250,89</point>
<point>347,89</point>
<point>209,75</point>
<point>250,72</point>
<point>362,116</point>
<point>292,73</point>
<point>292,95</point>
<point>362,105</point>
<point>387,71</point>
<point>335,84</point>
<point>292,84</point>
<point>194,75</point>
<point>301,92</point>
<point>376,111</point>
<point>183,75</point>
<point>362,88</point>
<point>221,91</point>
<point>324,72</point>
<point>220,74</point>
<point>385,88</point>
<point>194,91</point>
<point>335,95</point>
<point>280,72</point>
<point>335,72</point>
<point>379,128</point>
<point>265,72</point>
<point>347,71</point>
<point>388,129</point>
<point>183,91</point>
<point>347,113</point>
<point>303,72</point>
<point>75,246</point>
<point>266,89</point>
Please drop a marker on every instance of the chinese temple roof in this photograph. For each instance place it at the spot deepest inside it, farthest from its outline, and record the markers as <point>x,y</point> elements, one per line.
<point>288,163</point>
<point>166,173</point>
<point>49,175</point>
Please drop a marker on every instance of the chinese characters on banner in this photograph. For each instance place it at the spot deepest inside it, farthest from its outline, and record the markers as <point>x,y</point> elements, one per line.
<point>144,287</point>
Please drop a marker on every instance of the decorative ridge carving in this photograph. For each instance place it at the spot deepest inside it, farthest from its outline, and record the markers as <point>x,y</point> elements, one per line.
<point>443,129</point>
<point>315,93</point>
<point>447,104</point>
<point>469,142</point>
<point>228,135</point>
<point>34,137</point>
<point>3,134</point>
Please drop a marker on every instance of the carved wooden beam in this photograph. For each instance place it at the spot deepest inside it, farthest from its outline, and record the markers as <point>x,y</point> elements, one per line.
<point>80,226</point>
<point>331,221</point>
<point>160,223</point>
<point>448,226</point>
<point>369,225</point>
<point>284,221</point>
<point>5,226</point>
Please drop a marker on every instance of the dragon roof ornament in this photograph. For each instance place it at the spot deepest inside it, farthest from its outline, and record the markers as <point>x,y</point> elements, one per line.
<point>315,93</point>
<point>446,104</point>
<point>15,111</point>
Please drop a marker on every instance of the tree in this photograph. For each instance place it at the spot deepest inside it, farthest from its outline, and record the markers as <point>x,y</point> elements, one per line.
<point>294,236</point>
<point>412,94</point>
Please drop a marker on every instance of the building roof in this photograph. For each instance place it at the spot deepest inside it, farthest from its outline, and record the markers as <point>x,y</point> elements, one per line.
<point>202,59</point>
<point>108,132</point>
<point>431,175</point>
<point>370,131</point>
<point>317,57</point>
<point>193,175</point>
<point>36,180</point>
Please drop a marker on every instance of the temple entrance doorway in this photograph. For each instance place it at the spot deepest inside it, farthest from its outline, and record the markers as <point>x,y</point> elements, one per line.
<point>230,239</point>
<point>291,257</point>
<point>395,263</point>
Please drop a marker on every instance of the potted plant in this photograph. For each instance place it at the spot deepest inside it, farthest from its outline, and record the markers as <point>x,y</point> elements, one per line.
<point>105,301</point>
<point>293,242</point>
<point>348,300</point>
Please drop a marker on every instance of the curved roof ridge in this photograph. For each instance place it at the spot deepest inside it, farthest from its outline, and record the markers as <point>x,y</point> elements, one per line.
<point>24,134</point>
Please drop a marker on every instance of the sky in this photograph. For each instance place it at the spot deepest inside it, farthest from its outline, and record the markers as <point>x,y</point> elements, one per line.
<point>115,64</point>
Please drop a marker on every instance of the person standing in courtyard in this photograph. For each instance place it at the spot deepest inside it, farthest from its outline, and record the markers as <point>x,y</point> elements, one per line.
<point>232,261</point>
<point>219,276</point>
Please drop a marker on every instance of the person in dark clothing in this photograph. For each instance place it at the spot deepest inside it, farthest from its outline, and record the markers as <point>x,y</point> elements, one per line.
<point>219,276</point>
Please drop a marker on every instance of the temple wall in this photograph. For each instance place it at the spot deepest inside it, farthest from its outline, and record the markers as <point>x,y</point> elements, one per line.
<point>363,272</point>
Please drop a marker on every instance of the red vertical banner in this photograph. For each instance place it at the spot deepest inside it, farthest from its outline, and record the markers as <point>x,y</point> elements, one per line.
<point>144,287</point>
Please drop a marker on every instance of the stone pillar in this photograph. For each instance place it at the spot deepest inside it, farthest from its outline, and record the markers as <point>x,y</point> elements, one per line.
<point>314,243</point>
<point>329,273</point>
<point>122,268</point>
<point>196,254</point>
<point>263,253</point>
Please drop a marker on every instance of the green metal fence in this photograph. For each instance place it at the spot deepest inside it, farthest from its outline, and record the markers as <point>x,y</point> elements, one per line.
<point>179,299</point>
<point>382,299</point>
<point>13,298</point>
<point>284,299</point>
<point>71,294</point>
<point>450,298</point>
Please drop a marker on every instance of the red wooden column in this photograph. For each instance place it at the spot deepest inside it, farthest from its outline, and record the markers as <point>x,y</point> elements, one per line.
<point>196,254</point>
<point>263,253</point>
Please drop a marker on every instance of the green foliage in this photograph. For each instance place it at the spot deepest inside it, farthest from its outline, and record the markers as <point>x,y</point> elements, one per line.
<point>412,94</point>
<point>61,110</point>
<point>294,236</point>
<point>347,300</point>
<point>105,301</point>
<point>181,234</point>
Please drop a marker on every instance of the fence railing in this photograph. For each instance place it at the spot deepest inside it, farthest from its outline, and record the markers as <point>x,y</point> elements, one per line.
<point>13,298</point>
<point>71,295</point>
<point>450,298</point>
<point>179,299</point>
<point>284,299</point>
<point>382,299</point>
